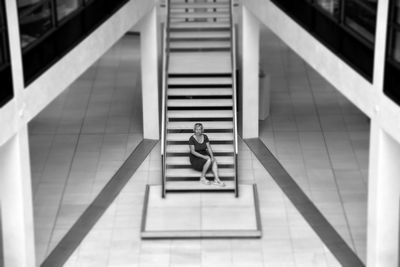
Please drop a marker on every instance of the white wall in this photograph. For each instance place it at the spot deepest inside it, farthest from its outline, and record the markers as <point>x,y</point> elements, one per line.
<point>28,102</point>
<point>366,96</point>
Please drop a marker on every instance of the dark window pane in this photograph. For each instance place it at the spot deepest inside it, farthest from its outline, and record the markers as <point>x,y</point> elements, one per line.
<point>66,7</point>
<point>361,17</point>
<point>2,17</point>
<point>2,46</point>
<point>396,47</point>
<point>397,11</point>
<point>35,19</point>
<point>331,6</point>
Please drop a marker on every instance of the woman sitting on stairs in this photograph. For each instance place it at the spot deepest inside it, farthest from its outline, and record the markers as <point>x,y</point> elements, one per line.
<point>201,156</point>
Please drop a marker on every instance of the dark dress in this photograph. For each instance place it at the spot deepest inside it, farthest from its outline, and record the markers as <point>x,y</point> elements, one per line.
<point>198,163</point>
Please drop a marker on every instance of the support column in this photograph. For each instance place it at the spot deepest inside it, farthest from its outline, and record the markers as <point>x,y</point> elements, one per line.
<point>250,48</point>
<point>149,70</point>
<point>383,199</point>
<point>16,202</point>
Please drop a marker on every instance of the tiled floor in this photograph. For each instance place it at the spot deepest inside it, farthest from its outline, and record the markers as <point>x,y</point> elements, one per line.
<point>320,138</point>
<point>81,139</point>
<point>201,215</point>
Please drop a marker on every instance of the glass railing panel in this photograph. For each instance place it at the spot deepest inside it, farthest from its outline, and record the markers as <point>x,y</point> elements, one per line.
<point>392,64</point>
<point>2,45</point>
<point>66,8</point>
<point>2,19</point>
<point>330,6</point>
<point>6,86</point>
<point>51,28</point>
<point>395,50</point>
<point>348,31</point>
<point>361,17</point>
<point>396,8</point>
<point>35,20</point>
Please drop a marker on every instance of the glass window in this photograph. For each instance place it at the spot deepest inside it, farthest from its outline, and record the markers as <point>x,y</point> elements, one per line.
<point>361,17</point>
<point>2,52</point>
<point>331,6</point>
<point>2,35</point>
<point>2,17</point>
<point>66,7</point>
<point>397,12</point>
<point>396,46</point>
<point>35,19</point>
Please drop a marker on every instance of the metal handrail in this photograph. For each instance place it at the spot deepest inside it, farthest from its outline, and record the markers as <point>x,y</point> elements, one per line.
<point>233,61</point>
<point>165,62</point>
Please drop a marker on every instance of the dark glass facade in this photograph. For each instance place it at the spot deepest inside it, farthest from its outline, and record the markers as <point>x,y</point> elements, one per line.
<point>347,27</point>
<point>51,28</point>
<point>392,63</point>
<point>6,86</point>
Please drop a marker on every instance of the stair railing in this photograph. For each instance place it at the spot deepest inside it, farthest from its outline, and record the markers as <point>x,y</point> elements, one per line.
<point>164,122</point>
<point>233,61</point>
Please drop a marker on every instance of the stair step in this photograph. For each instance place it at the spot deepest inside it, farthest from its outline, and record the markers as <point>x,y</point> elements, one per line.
<point>199,92</point>
<point>217,148</point>
<point>200,103</point>
<point>199,44</point>
<point>226,34</point>
<point>199,25</point>
<point>200,114</point>
<point>204,62</point>
<point>212,136</point>
<point>199,5</point>
<point>208,125</point>
<point>184,161</point>
<point>196,15</point>
<point>197,186</point>
<point>189,172</point>
<point>200,81</point>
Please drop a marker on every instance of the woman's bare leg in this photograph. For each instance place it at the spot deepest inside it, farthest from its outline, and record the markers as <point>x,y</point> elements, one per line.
<point>214,169</point>
<point>205,168</point>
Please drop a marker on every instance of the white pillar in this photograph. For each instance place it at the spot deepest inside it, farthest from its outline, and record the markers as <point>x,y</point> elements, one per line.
<point>16,202</point>
<point>383,199</point>
<point>149,70</point>
<point>250,49</point>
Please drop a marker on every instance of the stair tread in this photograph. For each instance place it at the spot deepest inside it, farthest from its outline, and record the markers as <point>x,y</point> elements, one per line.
<point>212,136</point>
<point>200,44</point>
<point>218,14</point>
<point>199,5</point>
<point>208,125</point>
<point>199,91</point>
<point>189,172</point>
<point>204,62</point>
<point>196,185</point>
<point>199,25</point>
<point>200,34</point>
<point>199,103</point>
<point>185,160</point>
<point>202,114</point>
<point>200,80</point>
<point>217,148</point>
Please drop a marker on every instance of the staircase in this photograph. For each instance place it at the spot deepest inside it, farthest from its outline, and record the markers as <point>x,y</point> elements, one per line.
<point>198,86</point>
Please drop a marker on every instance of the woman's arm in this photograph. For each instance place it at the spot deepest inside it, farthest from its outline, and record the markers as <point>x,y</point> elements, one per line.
<point>210,150</point>
<point>197,154</point>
